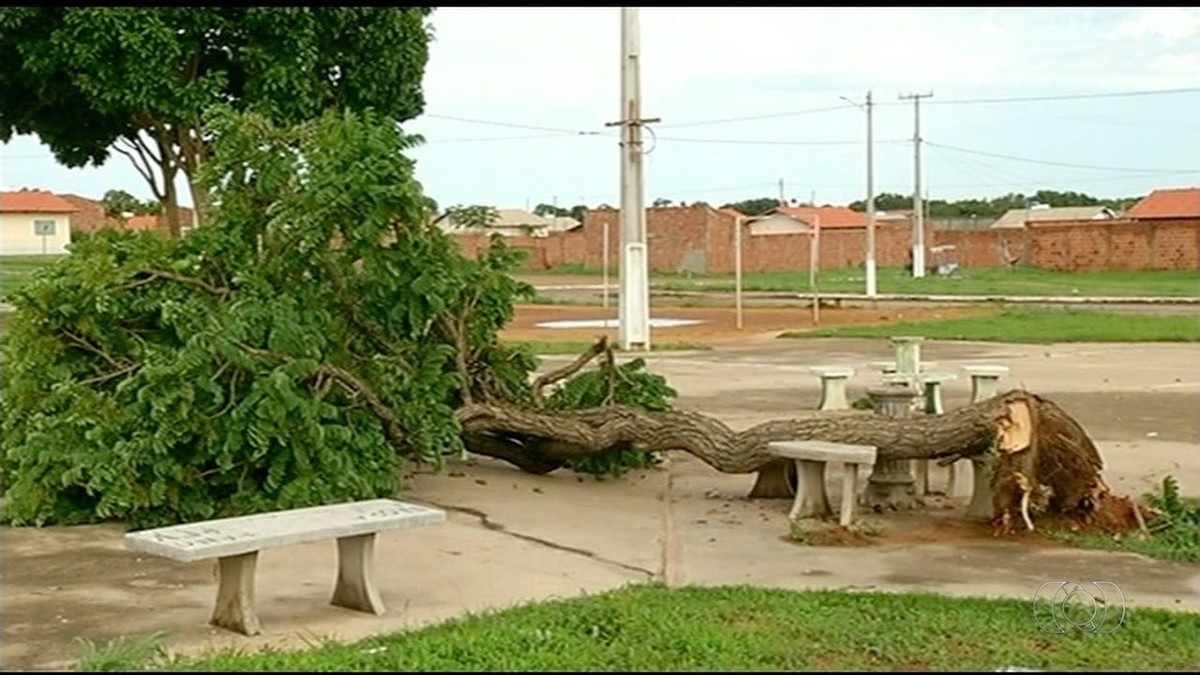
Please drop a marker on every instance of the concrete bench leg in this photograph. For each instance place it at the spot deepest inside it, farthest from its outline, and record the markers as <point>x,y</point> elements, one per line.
<point>960,479</point>
<point>775,480</point>
<point>235,594</point>
<point>355,587</point>
<point>811,499</point>
<point>921,469</point>
<point>849,494</point>
<point>833,393</point>
<point>981,496</point>
<point>933,398</point>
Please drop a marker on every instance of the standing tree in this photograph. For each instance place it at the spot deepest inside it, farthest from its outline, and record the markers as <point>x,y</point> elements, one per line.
<point>135,80</point>
<point>118,202</point>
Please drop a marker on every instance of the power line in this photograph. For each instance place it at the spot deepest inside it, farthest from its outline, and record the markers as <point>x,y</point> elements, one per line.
<point>514,125</point>
<point>1063,97</point>
<point>484,139</point>
<point>1053,163</point>
<point>749,118</point>
<point>739,141</point>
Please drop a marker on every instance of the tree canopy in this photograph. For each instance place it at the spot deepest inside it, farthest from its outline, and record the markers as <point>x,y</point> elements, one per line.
<point>995,207</point>
<point>136,80</point>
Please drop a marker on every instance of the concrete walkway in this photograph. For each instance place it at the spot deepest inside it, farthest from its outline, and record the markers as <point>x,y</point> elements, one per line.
<point>513,538</point>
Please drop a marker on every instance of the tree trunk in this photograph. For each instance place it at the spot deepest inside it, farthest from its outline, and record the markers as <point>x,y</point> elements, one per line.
<point>1033,445</point>
<point>562,435</point>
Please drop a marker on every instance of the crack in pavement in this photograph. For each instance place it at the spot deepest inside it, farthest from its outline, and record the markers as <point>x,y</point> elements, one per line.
<point>489,524</point>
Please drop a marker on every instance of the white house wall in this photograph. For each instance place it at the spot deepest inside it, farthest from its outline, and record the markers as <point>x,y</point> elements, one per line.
<point>17,235</point>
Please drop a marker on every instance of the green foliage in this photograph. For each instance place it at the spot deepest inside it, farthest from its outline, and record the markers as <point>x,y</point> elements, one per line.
<point>625,384</point>
<point>232,371</point>
<point>118,202</point>
<point>120,654</point>
<point>1176,530</point>
<point>995,207</point>
<point>1174,534</point>
<point>84,78</point>
<point>473,216</point>
<point>753,207</point>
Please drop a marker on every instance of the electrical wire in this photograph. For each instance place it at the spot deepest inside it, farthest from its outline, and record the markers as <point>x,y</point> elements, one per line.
<point>1053,163</point>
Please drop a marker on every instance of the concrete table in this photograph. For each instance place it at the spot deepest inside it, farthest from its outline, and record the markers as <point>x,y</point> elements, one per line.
<point>810,458</point>
<point>984,380</point>
<point>833,386</point>
<point>890,485</point>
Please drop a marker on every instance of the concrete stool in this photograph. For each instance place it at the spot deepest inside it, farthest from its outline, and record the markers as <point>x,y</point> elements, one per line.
<point>810,458</point>
<point>908,352</point>
<point>833,386</point>
<point>885,367</point>
<point>984,380</point>
<point>931,385</point>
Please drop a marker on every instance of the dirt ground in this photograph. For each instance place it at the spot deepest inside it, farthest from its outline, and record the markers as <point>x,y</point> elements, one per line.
<point>719,325</point>
<point>513,537</point>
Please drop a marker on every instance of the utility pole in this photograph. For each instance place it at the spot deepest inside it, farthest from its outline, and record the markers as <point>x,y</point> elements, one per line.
<point>781,199</point>
<point>869,262</point>
<point>918,247</point>
<point>633,301</point>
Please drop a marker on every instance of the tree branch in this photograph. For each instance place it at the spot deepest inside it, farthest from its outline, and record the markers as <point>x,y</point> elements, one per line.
<point>155,275</point>
<point>356,388</point>
<point>568,370</point>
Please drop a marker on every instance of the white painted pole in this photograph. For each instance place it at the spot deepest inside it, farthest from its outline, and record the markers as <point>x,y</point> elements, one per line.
<point>605,264</point>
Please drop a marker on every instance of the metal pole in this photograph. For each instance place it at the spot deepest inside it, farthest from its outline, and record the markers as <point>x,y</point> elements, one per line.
<point>918,244</point>
<point>737,268</point>
<point>870,262</point>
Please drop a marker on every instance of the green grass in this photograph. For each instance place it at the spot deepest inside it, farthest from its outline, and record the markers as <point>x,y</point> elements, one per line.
<point>16,270</point>
<point>973,281</point>
<point>1033,325</point>
<point>552,348</point>
<point>740,628</point>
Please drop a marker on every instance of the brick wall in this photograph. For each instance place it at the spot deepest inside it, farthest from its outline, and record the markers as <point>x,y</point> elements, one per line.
<point>700,239</point>
<point>1116,244</point>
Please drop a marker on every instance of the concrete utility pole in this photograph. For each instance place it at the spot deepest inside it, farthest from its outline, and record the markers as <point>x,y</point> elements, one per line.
<point>869,262</point>
<point>781,199</point>
<point>918,246</point>
<point>633,308</point>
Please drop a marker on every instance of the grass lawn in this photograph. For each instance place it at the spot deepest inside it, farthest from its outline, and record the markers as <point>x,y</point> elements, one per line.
<point>1033,325</point>
<point>552,348</point>
<point>14,270</point>
<point>972,281</point>
<point>736,628</point>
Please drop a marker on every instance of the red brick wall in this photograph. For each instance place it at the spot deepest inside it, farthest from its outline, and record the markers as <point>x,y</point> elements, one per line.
<point>701,239</point>
<point>1116,244</point>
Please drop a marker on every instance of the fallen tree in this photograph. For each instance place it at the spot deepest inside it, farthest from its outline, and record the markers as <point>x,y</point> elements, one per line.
<point>320,331</point>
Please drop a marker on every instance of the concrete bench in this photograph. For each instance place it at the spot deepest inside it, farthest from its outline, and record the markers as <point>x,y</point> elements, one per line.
<point>984,380</point>
<point>810,458</point>
<point>833,386</point>
<point>235,543</point>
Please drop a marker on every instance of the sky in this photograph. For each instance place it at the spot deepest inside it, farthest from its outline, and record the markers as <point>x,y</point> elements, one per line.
<point>517,100</point>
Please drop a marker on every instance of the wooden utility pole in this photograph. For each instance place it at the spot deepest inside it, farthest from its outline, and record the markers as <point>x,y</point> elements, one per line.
<point>918,245</point>
<point>633,301</point>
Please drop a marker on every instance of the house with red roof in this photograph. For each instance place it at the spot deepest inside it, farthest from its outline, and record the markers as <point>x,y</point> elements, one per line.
<point>1168,204</point>
<point>34,222</point>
